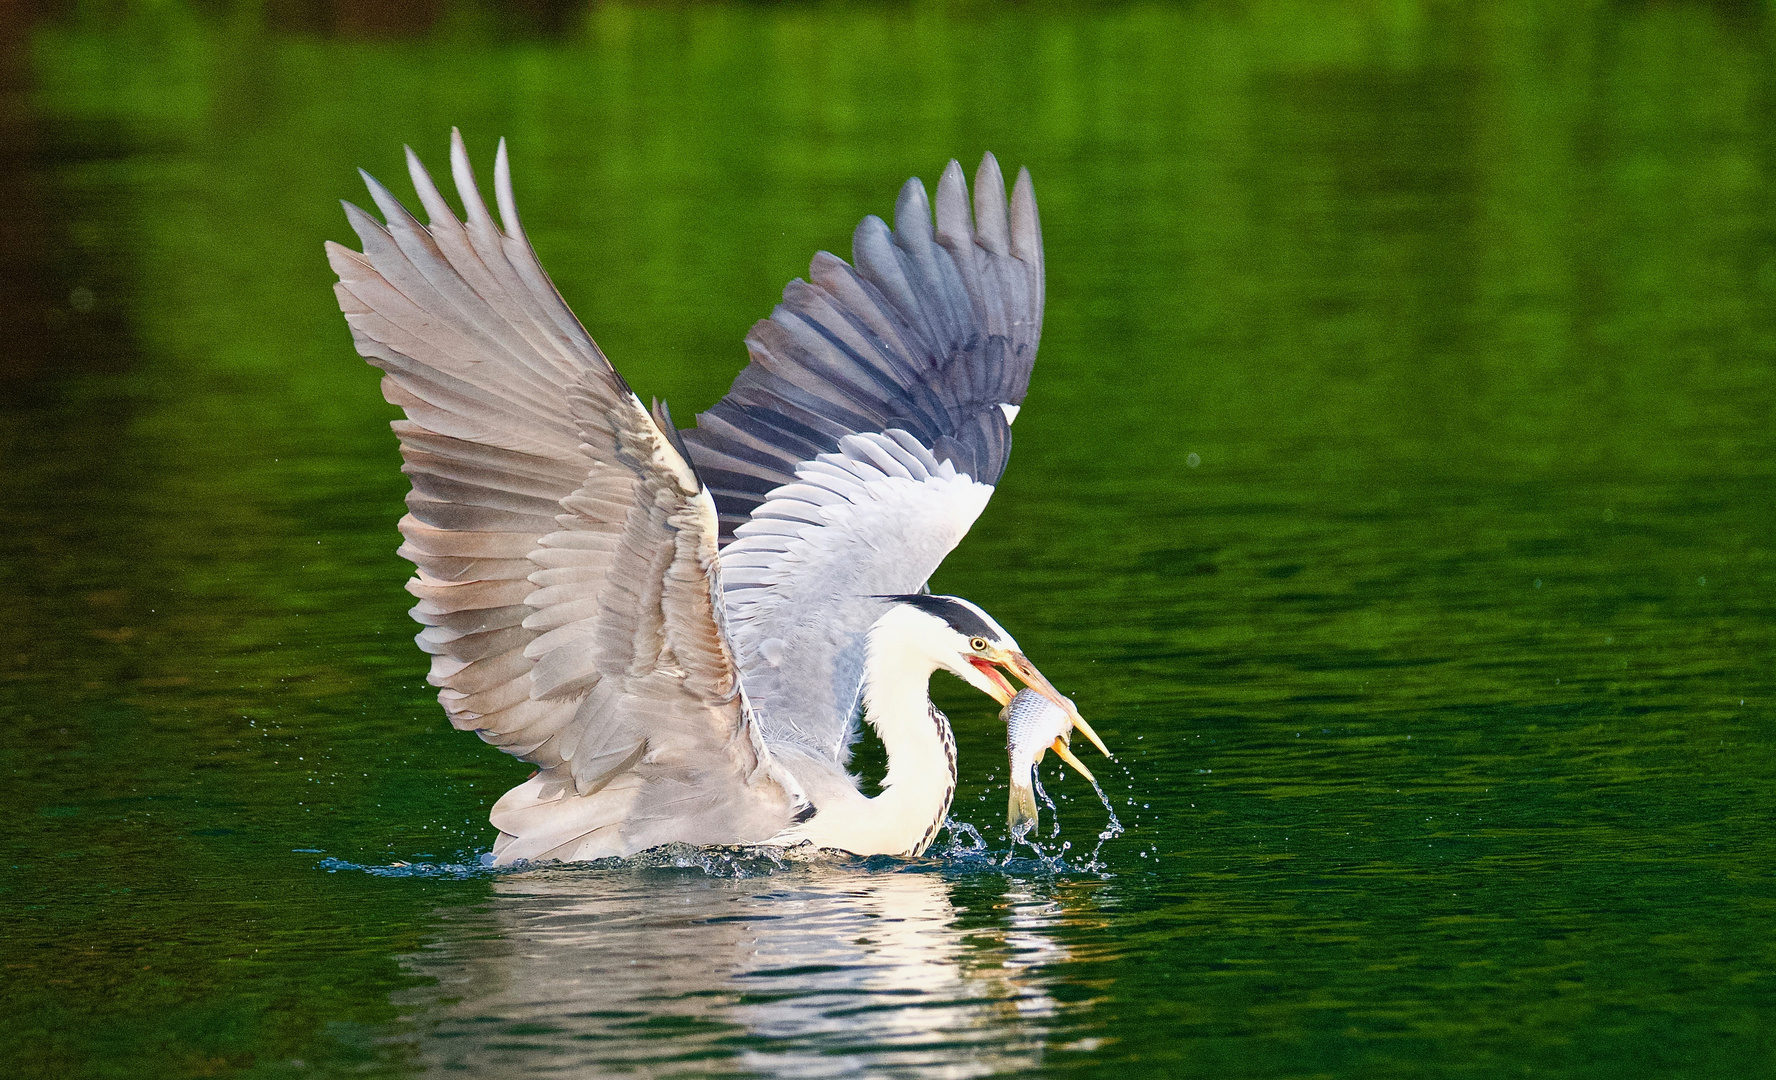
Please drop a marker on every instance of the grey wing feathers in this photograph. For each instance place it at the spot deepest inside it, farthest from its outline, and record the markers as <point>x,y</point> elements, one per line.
<point>931,332</point>
<point>859,445</point>
<point>566,552</point>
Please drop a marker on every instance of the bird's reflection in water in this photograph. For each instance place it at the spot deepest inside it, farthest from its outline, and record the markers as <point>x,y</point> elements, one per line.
<point>813,972</point>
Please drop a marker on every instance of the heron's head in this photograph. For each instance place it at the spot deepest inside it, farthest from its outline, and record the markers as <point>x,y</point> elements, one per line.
<point>965,641</point>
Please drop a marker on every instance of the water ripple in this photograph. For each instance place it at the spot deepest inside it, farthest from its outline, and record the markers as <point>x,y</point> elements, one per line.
<point>762,960</point>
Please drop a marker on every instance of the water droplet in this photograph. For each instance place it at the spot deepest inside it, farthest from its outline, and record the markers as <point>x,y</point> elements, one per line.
<point>1193,459</point>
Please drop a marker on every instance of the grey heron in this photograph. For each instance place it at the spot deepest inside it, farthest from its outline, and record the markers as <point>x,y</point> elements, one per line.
<point>682,629</point>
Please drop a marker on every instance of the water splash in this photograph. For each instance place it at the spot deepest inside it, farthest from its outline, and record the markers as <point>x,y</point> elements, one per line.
<point>963,851</point>
<point>1054,812</point>
<point>456,871</point>
<point>956,831</point>
<point>1111,830</point>
<point>1021,835</point>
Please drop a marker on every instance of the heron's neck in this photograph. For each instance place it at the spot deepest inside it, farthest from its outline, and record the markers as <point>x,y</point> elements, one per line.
<point>921,775</point>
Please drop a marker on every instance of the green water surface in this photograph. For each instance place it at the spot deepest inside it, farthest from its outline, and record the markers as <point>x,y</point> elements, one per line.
<point>1396,493</point>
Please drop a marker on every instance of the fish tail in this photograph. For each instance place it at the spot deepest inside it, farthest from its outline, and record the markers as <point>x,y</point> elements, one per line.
<point>1020,814</point>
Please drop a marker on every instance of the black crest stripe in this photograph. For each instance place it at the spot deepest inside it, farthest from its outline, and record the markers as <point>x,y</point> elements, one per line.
<point>962,618</point>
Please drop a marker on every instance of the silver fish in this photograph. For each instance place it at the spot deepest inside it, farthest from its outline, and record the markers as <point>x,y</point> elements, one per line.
<point>1034,725</point>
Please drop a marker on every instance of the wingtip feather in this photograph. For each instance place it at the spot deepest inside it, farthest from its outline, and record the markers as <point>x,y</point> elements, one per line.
<point>955,224</point>
<point>912,213</point>
<point>436,208</point>
<point>989,206</point>
<point>869,238</point>
<point>343,259</point>
<point>463,175</point>
<point>502,191</point>
<point>371,184</point>
<point>1026,226</point>
<point>362,221</point>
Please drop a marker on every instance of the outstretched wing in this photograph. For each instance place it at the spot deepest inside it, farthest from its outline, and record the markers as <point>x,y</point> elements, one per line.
<point>859,445</point>
<point>566,551</point>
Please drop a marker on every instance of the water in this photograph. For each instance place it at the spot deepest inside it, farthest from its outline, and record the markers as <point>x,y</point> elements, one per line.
<point>1394,496</point>
<point>1112,828</point>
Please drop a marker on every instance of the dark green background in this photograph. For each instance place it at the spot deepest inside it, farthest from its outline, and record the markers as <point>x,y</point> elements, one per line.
<point>1442,683</point>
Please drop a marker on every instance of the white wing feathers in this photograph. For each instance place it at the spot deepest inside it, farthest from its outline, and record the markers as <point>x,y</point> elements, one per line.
<point>875,518</point>
<point>566,552</point>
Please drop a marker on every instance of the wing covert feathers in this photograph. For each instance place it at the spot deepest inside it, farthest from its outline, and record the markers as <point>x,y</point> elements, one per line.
<point>566,552</point>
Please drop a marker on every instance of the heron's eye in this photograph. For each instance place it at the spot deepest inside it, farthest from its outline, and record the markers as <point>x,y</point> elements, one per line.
<point>979,644</point>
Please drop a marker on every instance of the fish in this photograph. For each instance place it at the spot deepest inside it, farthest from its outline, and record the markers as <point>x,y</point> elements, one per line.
<point>1034,725</point>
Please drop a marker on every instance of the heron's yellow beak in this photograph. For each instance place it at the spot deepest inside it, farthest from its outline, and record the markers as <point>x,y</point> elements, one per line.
<point>1019,664</point>
<point>1066,755</point>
